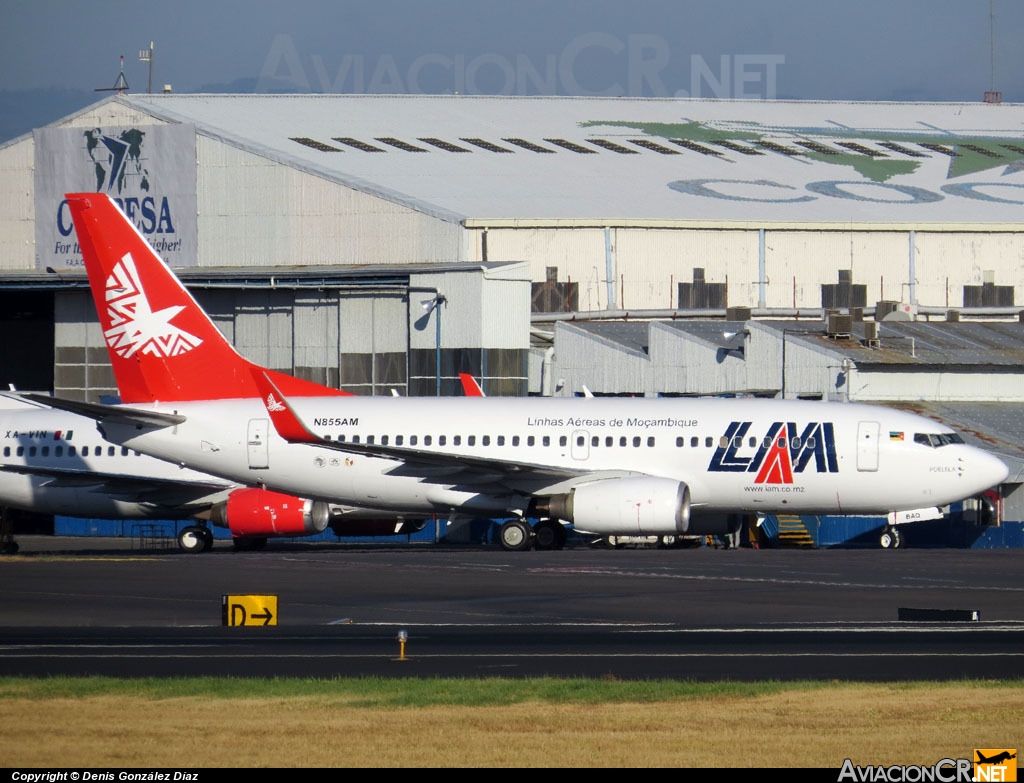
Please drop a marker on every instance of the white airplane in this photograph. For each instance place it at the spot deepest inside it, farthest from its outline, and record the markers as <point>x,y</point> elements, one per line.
<point>607,466</point>
<point>56,462</point>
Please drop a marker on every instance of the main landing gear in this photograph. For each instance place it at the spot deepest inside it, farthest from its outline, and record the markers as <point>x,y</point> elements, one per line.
<point>195,538</point>
<point>549,534</point>
<point>516,535</point>
<point>890,538</point>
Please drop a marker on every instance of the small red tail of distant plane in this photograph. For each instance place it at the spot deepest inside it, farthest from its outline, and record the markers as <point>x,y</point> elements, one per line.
<point>149,317</point>
<point>470,386</point>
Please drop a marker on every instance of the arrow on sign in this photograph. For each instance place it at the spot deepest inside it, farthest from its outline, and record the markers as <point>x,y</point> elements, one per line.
<point>265,615</point>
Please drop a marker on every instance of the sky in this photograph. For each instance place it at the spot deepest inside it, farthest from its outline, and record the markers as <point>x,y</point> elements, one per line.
<point>804,49</point>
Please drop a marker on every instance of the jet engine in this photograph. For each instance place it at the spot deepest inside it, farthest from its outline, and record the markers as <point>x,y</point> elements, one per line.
<point>625,506</point>
<point>644,506</point>
<point>262,513</point>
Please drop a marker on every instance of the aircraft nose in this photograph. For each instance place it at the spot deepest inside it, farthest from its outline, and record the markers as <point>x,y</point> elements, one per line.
<point>989,470</point>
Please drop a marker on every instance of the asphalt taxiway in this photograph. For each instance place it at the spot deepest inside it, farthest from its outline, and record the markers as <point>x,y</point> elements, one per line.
<point>96,606</point>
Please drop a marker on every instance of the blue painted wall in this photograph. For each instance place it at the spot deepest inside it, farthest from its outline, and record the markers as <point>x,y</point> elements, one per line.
<point>952,531</point>
<point>133,528</point>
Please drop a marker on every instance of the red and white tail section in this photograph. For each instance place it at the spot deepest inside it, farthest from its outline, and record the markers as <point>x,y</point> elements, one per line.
<point>162,345</point>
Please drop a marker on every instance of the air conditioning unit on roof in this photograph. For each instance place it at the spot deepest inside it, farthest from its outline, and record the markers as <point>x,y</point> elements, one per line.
<point>839,325</point>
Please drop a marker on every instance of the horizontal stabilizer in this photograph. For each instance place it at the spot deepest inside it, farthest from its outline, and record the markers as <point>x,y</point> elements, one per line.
<point>112,414</point>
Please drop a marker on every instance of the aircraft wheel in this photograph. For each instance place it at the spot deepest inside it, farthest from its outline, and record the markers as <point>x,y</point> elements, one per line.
<point>561,536</point>
<point>515,535</point>
<point>669,542</point>
<point>207,539</point>
<point>889,539</point>
<point>548,534</point>
<point>191,539</point>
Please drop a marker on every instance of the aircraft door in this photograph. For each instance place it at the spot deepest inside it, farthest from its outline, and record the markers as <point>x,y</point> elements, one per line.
<point>259,457</point>
<point>580,444</point>
<point>867,445</point>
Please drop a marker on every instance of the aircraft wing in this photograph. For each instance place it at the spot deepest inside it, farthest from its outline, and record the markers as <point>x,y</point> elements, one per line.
<point>461,470</point>
<point>112,414</point>
<point>143,489</point>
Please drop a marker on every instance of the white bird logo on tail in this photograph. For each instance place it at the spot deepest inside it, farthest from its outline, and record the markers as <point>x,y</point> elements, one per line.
<point>135,328</point>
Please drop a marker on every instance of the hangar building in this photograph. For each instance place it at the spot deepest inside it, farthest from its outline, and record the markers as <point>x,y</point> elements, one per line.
<point>389,242</point>
<point>596,204</point>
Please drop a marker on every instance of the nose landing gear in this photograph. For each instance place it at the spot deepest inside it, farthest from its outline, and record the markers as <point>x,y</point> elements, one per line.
<point>890,538</point>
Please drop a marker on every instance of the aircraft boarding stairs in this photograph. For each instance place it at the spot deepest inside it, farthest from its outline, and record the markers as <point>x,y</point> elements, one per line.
<point>789,531</point>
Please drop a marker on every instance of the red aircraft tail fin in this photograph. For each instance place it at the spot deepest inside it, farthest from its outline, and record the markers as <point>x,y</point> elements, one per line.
<point>162,346</point>
<point>470,385</point>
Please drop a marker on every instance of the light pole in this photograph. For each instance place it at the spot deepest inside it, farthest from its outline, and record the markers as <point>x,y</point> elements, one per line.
<point>784,333</point>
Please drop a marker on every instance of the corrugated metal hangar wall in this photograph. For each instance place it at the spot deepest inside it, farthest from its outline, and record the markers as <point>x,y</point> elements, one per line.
<point>643,268</point>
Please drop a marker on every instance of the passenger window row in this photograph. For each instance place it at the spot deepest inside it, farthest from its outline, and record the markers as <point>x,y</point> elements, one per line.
<point>596,441</point>
<point>71,451</point>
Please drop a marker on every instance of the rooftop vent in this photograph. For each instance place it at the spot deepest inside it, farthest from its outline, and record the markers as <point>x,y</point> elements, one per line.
<point>821,149</point>
<point>771,146</point>
<point>314,144</point>
<point>892,145</point>
<point>441,144</point>
<point>692,145</point>
<point>939,148</point>
<point>981,150</point>
<point>571,146</point>
<point>359,145</point>
<point>731,145</point>
<point>653,145</point>
<point>486,145</point>
<point>399,144</point>
<point>839,325</point>
<point>885,307</point>
<point>529,145</point>
<point>737,314</point>
<point>855,147</point>
<point>611,145</point>
<point>871,334</point>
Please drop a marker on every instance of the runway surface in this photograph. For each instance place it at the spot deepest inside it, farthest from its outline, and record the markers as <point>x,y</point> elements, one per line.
<point>90,606</point>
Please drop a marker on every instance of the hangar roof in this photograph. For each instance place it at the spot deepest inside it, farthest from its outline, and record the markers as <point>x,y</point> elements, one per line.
<point>916,344</point>
<point>921,345</point>
<point>540,160</point>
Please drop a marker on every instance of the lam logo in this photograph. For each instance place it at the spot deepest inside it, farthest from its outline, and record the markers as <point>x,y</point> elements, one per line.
<point>134,327</point>
<point>781,452</point>
<point>995,764</point>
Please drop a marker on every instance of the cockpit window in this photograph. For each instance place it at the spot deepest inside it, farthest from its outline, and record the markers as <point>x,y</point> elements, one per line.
<point>937,441</point>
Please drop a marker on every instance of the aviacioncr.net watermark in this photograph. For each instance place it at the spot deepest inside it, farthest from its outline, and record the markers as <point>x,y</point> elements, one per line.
<point>592,64</point>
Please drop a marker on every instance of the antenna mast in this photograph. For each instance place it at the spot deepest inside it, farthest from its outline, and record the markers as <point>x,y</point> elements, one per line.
<point>146,56</point>
<point>120,86</point>
<point>992,95</point>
